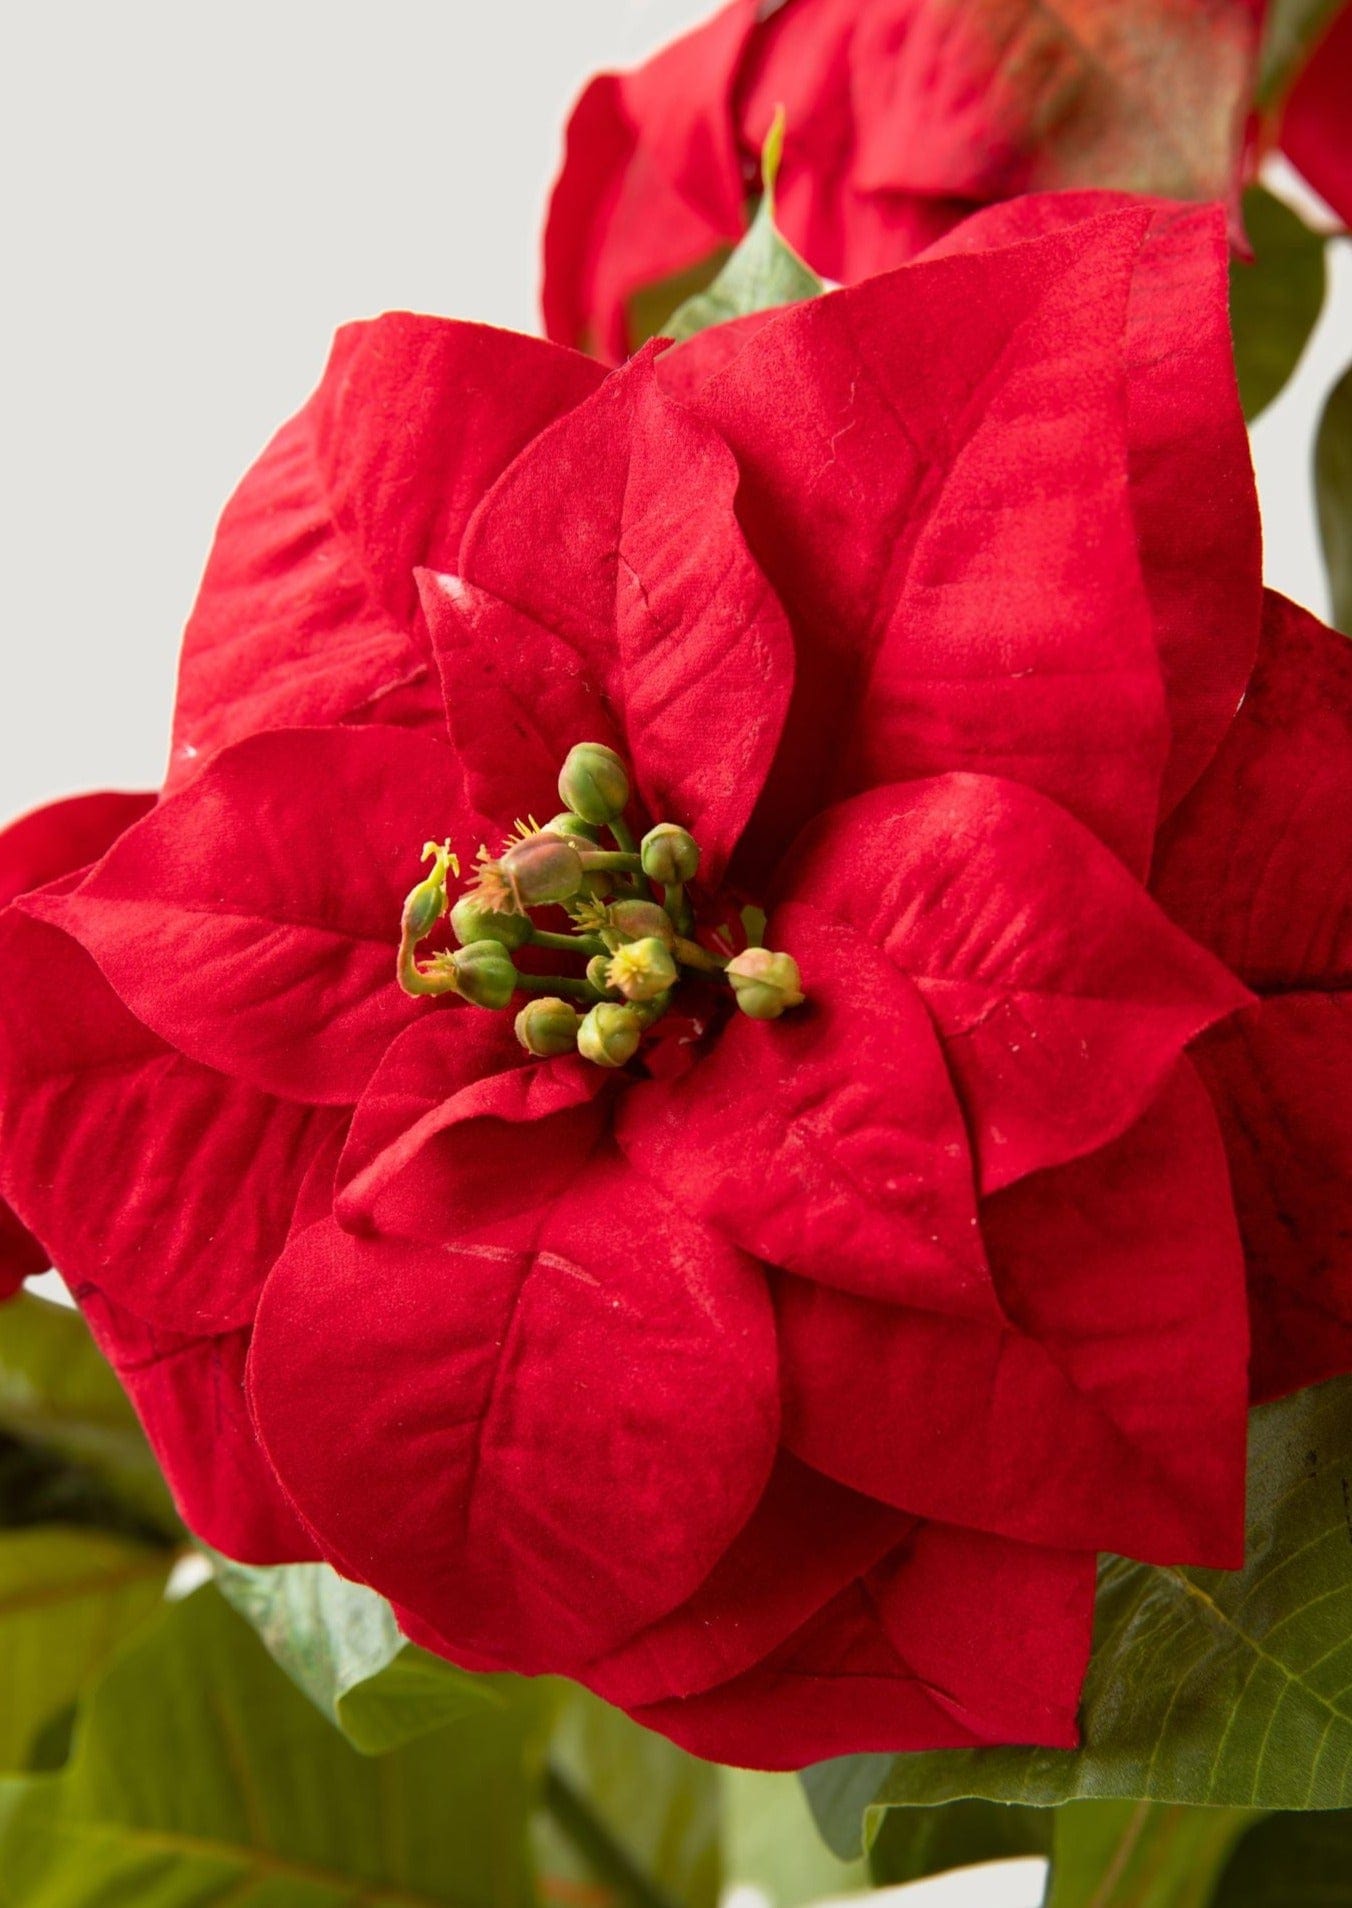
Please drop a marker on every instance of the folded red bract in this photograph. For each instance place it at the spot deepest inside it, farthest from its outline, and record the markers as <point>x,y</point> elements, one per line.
<point>783,1396</point>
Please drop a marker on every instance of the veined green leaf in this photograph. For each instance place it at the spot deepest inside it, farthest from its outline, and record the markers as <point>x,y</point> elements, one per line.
<point>1333,494</point>
<point>764,271</point>
<point>67,1599</point>
<point>58,1394</point>
<point>914,1843</point>
<point>1290,1861</point>
<point>339,1642</point>
<point>1275,301</point>
<point>201,1775</point>
<point>1232,1688</point>
<point>1139,1854</point>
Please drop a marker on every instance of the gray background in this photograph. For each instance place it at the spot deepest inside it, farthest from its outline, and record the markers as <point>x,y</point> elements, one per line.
<point>195,197</point>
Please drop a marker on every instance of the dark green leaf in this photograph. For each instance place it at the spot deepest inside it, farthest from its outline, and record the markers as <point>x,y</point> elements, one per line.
<point>1333,492</point>
<point>67,1598</point>
<point>1227,1687</point>
<point>339,1642</point>
<point>1289,32</point>
<point>763,273</point>
<point>201,1775</point>
<point>58,1395</point>
<point>626,1811</point>
<point>914,1843</point>
<point>1291,1861</point>
<point>1139,1854</point>
<point>1275,302</point>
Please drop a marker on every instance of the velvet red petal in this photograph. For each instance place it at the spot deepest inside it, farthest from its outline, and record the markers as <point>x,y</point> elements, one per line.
<point>540,1437</point>
<point>807,1540</point>
<point>189,1395</point>
<point>55,840</point>
<point>958,1639</point>
<point>1062,994</point>
<point>21,1255</point>
<point>308,602</point>
<point>651,183</point>
<point>1110,1414</point>
<point>459,1126</point>
<point>1315,134</point>
<point>952,534</point>
<point>829,1142</point>
<point>167,1186</point>
<point>518,696</point>
<point>1192,492</point>
<point>252,919</point>
<point>617,530</point>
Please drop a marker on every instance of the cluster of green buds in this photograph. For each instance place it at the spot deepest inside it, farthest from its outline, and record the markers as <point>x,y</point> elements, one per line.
<point>633,947</point>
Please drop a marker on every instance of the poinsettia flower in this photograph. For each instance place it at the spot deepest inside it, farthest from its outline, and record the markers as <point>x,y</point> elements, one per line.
<point>903,117</point>
<point>782,1381</point>
<point>43,846</point>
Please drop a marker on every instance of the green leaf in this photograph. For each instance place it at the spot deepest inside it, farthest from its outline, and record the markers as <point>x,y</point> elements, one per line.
<point>1290,1861</point>
<point>1139,1854</point>
<point>625,1812</point>
<point>771,1844</point>
<point>1275,302</point>
<point>1289,33</point>
<point>67,1598</point>
<point>1232,1688</point>
<point>58,1394</point>
<point>914,1843</point>
<point>339,1642</point>
<point>763,273</point>
<point>1333,494</point>
<point>201,1775</point>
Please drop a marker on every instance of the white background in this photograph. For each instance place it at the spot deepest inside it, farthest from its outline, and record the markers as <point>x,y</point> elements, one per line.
<point>195,196</point>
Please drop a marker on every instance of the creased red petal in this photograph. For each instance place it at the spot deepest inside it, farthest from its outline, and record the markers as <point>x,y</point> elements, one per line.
<point>1279,1076</point>
<point>189,1395</point>
<point>308,603</point>
<point>167,1186</point>
<point>55,840</point>
<point>252,919</point>
<point>1257,864</point>
<point>830,1141</point>
<point>956,1640</point>
<point>540,1437</point>
<point>617,530</point>
<point>651,183</point>
<point>1062,994</point>
<point>806,1541</point>
<point>518,696</point>
<point>21,1255</point>
<point>1192,490</point>
<point>459,1124</point>
<point>1110,1414</point>
<point>951,530</point>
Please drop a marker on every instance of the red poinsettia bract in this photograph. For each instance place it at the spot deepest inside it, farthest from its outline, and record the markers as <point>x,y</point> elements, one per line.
<point>782,1391</point>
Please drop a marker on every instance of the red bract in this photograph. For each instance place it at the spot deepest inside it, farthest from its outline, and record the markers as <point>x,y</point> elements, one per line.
<point>1316,129</point>
<point>781,1384</point>
<point>903,116</point>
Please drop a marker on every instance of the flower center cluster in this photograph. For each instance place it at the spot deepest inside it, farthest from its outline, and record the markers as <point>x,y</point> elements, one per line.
<point>632,938</point>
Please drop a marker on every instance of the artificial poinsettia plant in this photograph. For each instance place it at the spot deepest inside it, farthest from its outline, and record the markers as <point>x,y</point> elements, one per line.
<point>720,1070</point>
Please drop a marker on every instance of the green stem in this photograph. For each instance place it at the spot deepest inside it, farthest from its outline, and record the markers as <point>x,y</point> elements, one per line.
<point>600,860</point>
<point>678,907</point>
<point>567,984</point>
<point>624,835</point>
<point>610,1862</point>
<point>691,954</point>
<point>584,944</point>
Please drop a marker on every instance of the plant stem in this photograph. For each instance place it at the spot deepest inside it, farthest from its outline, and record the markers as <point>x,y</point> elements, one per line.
<point>691,954</point>
<point>583,944</point>
<point>567,984</point>
<point>600,860</point>
<point>577,1819</point>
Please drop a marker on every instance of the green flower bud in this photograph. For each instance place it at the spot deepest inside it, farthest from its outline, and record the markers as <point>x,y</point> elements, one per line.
<point>548,1026</point>
<point>765,983</point>
<point>609,1034</point>
<point>597,975</point>
<point>484,973</point>
<point>573,828</point>
<point>670,854</point>
<point>593,783</point>
<point>541,870</point>
<point>471,922</point>
<point>642,969</point>
<point>636,921</point>
<point>426,903</point>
